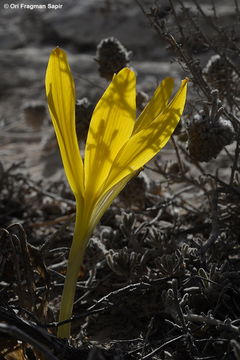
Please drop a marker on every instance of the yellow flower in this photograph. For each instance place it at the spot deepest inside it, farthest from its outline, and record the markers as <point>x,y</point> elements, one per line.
<point>117,146</point>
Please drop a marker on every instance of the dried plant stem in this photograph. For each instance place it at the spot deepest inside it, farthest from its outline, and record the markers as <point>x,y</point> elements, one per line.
<point>215,223</point>
<point>203,319</point>
<point>207,39</point>
<point>236,158</point>
<point>178,155</point>
<point>58,220</point>
<point>237,9</point>
<point>193,67</point>
<point>167,343</point>
<point>214,9</point>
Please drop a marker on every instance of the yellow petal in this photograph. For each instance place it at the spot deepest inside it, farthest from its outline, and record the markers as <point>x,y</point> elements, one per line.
<point>107,198</point>
<point>156,105</point>
<point>60,92</point>
<point>111,126</point>
<point>145,144</point>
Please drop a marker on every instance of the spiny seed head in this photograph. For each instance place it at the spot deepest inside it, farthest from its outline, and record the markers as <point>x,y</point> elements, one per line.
<point>134,193</point>
<point>214,64</point>
<point>206,138</point>
<point>218,72</point>
<point>111,56</point>
<point>216,69</point>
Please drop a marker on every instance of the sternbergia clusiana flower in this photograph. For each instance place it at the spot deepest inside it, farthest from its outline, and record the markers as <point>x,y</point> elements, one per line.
<point>117,146</point>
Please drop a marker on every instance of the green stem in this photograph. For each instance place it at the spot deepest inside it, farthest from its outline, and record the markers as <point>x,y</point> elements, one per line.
<point>75,260</point>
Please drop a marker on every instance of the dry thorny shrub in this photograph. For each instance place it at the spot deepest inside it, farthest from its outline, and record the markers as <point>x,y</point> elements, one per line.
<point>161,273</point>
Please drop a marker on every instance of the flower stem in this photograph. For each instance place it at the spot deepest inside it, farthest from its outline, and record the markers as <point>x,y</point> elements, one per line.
<point>75,260</point>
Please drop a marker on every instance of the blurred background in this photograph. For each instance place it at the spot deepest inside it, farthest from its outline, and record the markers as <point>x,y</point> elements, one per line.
<point>26,40</point>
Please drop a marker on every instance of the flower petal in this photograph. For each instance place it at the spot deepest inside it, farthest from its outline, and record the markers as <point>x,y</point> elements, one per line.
<point>156,105</point>
<point>111,126</point>
<point>145,144</point>
<point>60,92</point>
<point>107,198</point>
